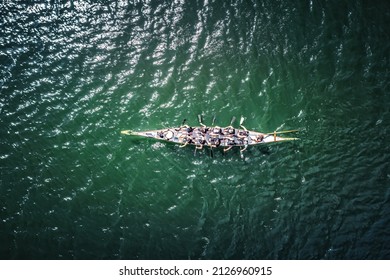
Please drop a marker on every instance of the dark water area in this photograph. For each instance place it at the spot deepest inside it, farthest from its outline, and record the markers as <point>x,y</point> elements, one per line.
<point>73,74</point>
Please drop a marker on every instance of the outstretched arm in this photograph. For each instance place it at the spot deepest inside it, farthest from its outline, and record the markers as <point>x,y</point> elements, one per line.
<point>227,149</point>
<point>182,146</point>
<point>242,150</point>
<point>243,127</point>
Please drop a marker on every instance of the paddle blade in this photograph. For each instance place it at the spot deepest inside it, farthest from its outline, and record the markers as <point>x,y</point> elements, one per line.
<point>242,120</point>
<point>200,119</point>
<point>184,121</point>
<point>213,121</point>
<point>232,121</point>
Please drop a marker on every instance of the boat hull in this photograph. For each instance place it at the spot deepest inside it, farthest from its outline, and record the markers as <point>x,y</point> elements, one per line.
<point>212,137</point>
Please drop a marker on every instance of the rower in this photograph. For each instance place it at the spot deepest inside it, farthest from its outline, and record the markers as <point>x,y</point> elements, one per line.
<point>199,146</point>
<point>259,138</point>
<point>186,128</point>
<point>214,142</point>
<point>216,131</point>
<point>229,142</point>
<point>229,130</point>
<point>186,140</point>
<point>200,142</point>
<point>242,134</point>
<point>204,129</point>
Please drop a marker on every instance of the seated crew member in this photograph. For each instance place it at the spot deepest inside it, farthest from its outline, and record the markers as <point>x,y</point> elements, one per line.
<point>185,140</point>
<point>186,130</point>
<point>186,127</point>
<point>204,129</point>
<point>229,138</point>
<point>200,142</point>
<point>215,142</point>
<point>230,143</point>
<point>215,131</point>
<point>242,134</point>
<point>245,141</point>
<point>260,138</point>
<point>243,138</point>
<point>229,130</point>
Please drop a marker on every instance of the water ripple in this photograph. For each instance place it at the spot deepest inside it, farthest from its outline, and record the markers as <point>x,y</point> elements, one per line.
<point>72,75</point>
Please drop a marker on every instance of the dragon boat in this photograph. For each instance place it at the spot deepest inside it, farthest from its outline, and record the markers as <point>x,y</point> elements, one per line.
<point>213,136</point>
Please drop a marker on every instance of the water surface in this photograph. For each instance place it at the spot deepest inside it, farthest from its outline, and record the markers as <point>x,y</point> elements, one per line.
<point>73,75</point>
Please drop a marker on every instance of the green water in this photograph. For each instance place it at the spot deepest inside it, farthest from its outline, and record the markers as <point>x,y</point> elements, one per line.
<point>74,74</point>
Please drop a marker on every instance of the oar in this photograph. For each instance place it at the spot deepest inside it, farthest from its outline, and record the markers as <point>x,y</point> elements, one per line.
<point>232,121</point>
<point>285,131</point>
<point>184,121</point>
<point>213,121</point>
<point>211,152</point>
<point>200,119</point>
<point>289,139</point>
<point>242,120</point>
